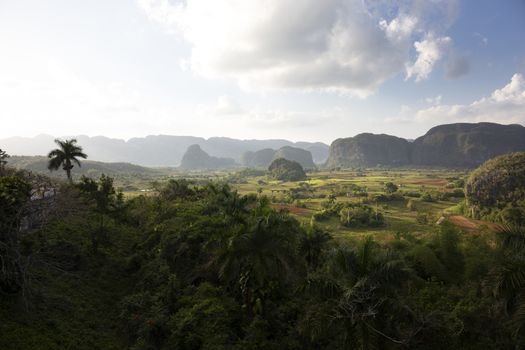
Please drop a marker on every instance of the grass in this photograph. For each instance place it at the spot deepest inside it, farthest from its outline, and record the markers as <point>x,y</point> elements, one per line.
<point>398,217</point>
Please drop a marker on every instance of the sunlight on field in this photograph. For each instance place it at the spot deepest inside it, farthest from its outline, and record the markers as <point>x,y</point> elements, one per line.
<point>408,213</point>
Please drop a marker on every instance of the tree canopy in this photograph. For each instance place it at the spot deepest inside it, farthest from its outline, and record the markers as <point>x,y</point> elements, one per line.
<point>497,188</point>
<point>286,170</point>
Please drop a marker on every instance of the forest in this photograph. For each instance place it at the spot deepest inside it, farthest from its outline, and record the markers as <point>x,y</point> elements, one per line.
<point>361,258</point>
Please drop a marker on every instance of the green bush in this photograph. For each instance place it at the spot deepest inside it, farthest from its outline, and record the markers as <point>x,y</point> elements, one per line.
<point>424,218</point>
<point>412,194</point>
<point>427,197</point>
<point>514,216</point>
<point>360,216</point>
<point>14,193</point>
<point>383,198</point>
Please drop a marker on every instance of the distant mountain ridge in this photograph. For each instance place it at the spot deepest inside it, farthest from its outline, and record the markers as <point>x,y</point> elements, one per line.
<point>263,158</point>
<point>369,150</point>
<point>449,145</point>
<point>158,150</point>
<point>197,159</point>
<point>38,164</point>
<point>467,145</point>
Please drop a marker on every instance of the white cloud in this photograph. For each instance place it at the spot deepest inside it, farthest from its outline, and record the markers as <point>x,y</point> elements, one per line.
<point>430,50</point>
<point>348,46</point>
<point>41,94</point>
<point>434,100</point>
<point>505,105</point>
<point>227,106</point>
<point>224,107</point>
<point>162,11</point>
<point>227,110</point>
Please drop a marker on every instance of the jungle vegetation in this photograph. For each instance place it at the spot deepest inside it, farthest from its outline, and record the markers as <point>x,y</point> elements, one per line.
<point>200,265</point>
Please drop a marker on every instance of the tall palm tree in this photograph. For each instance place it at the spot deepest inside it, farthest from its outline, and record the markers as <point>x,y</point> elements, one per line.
<point>508,276</point>
<point>367,278</point>
<point>312,245</point>
<point>361,285</point>
<point>259,259</point>
<point>3,158</point>
<point>64,156</point>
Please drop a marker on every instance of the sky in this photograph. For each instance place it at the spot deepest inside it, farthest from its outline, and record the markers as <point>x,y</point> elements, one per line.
<point>309,70</point>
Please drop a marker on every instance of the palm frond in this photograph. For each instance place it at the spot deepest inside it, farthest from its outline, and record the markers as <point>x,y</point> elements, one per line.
<point>77,152</point>
<point>518,318</point>
<point>509,278</point>
<point>366,252</point>
<point>55,162</point>
<point>323,286</point>
<point>77,162</point>
<point>513,238</point>
<point>344,261</point>
<point>55,153</point>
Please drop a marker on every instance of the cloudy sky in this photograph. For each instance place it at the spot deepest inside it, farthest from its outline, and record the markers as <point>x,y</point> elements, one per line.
<point>309,70</point>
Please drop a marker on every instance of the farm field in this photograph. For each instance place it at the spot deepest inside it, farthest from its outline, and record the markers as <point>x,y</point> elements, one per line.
<point>304,199</point>
<point>423,197</point>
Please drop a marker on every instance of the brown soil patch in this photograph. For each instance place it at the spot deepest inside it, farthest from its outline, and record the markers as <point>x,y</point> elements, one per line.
<point>471,224</point>
<point>292,209</point>
<point>430,182</point>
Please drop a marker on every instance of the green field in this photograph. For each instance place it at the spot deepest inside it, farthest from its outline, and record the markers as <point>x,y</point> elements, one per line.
<point>398,218</point>
<point>305,198</point>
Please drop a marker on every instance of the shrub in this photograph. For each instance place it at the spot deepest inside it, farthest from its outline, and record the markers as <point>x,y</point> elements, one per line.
<point>411,205</point>
<point>382,198</point>
<point>360,216</point>
<point>427,197</point>
<point>412,194</point>
<point>323,215</point>
<point>331,210</point>
<point>14,193</point>
<point>424,218</point>
<point>512,216</point>
<point>426,263</point>
<point>390,187</point>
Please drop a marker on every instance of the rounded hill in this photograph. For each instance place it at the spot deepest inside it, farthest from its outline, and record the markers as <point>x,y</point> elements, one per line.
<point>286,170</point>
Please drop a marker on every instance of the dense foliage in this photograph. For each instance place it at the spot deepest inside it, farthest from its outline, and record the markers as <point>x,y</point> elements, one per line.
<point>496,190</point>
<point>3,158</point>
<point>203,267</point>
<point>286,170</point>
<point>360,216</point>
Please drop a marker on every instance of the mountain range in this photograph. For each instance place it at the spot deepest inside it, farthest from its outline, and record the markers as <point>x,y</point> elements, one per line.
<point>263,158</point>
<point>157,150</point>
<point>38,164</point>
<point>449,145</point>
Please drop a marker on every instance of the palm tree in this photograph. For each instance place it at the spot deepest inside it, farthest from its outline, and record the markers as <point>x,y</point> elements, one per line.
<point>312,245</point>
<point>508,276</point>
<point>361,285</point>
<point>367,278</point>
<point>67,153</point>
<point>258,260</point>
<point>3,157</point>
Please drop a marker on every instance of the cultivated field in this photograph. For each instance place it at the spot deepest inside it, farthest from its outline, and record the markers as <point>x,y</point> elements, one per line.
<point>423,198</point>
